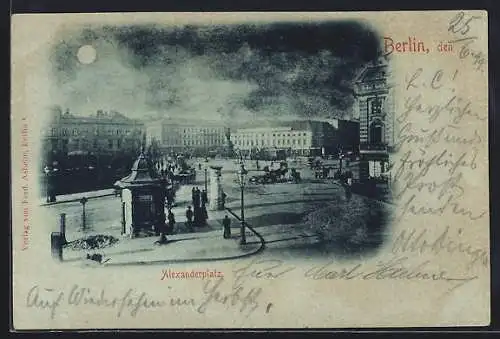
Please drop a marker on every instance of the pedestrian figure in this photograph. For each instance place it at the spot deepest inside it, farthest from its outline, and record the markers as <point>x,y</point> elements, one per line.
<point>204,215</point>
<point>348,188</point>
<point>197,198</point>
<point>193,195</point>
<point>198,216</point>
<point>168,196</point>
<point>171,222</point>
<point>199,166</point>
<point>189,218</point>
<point>204,197</point>
<point>226,222</point>
<point>163,235</point>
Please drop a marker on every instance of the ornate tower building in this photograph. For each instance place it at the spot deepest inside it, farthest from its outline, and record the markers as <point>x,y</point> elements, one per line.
<point>375,106</point>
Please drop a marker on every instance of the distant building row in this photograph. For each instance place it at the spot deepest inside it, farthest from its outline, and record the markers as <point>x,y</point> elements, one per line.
<point>105,133</point>
<point>190,136</point>
<point>112,132</point>
<point>304,137</point>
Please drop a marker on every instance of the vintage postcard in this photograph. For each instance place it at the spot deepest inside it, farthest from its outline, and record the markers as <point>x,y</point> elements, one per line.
<point>250,170</point>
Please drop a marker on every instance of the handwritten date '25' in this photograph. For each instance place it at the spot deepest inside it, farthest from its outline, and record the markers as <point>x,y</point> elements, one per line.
<point>461,25</point>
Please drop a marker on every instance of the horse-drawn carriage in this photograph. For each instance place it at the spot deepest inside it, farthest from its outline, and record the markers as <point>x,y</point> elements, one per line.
<point>185,177</point>
<point>269,177</point>
<point>272,176</point>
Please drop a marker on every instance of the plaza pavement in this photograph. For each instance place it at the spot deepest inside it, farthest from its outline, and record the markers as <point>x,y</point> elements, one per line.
<point>207,243</point>
<point>275,211</point>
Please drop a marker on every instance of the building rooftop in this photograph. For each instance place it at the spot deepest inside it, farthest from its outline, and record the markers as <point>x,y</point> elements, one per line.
<point>294,125</point>
<point>188,122</point>
<point>141,174</point>
<point>100,116</point>
<point>373,71</point>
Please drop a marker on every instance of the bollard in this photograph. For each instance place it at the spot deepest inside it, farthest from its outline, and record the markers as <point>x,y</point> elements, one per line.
<point>62,226</point>
<point>56,246</point>
<point>123,218</point>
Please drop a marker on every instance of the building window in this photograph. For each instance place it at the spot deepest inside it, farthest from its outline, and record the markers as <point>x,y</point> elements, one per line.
<point>376,106</point>
<point>375,169</point>
<point>376,132</point>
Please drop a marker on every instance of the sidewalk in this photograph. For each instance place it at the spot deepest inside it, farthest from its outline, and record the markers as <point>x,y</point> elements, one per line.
<point>201,246</point>
<point>77,196</point>
<point>188,247</point>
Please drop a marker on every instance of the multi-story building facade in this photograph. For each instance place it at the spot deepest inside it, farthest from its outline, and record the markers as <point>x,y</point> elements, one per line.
<point>248,139</point>
<point>175,135</point>
<point>375,106</point>
<point>103,133</point>
<point>303,138</point>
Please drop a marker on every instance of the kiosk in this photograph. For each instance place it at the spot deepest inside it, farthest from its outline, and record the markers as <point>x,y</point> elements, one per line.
<point>143,200</point>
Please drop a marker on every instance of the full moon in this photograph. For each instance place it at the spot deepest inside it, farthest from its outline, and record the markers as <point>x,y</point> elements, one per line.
<point>86,54</point>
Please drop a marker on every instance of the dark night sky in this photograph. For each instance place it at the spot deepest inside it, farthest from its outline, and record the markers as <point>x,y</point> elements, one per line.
<point>242,71</point>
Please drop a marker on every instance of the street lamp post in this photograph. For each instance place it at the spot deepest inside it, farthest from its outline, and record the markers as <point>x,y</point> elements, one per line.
<point>47,184</point>
<point>83,201</point>
<point>242,177</point>
<point>341,156</point>
<point>206,183</point>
